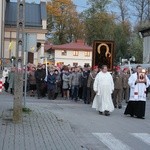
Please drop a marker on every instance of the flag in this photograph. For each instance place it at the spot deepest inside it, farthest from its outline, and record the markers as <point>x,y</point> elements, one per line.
<point>10,47</point>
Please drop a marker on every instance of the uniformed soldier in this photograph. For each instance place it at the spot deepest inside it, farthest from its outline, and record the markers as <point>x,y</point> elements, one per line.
<point>117,94</point>
<point>91,78</point>
<point>125,90</point>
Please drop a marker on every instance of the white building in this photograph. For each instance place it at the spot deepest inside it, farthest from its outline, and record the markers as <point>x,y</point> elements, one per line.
<point>145,33</point>
<point>75,53</point>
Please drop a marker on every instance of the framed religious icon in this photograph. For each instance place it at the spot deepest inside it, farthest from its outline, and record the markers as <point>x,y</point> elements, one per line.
<point>142,76</point>
<point>103,53</point>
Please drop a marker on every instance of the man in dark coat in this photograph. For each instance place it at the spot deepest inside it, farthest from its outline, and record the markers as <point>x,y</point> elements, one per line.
<point>84,79</point>
<point>51,84</point>
<point>40,76</point>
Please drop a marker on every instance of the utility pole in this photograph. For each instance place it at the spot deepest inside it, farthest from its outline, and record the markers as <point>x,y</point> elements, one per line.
<point>18,89</point>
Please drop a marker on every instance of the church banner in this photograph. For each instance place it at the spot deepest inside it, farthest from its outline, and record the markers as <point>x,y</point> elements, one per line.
<point>103,53</point>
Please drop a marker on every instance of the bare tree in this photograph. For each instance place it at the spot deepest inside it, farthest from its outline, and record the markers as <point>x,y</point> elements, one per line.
<point>140,9</point>
<point>123,8</point>
<point>148,11</point>
<point>98,5</point>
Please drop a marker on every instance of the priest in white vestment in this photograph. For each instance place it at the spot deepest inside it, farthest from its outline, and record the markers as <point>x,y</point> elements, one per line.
<point>103,86</point>
<point>137,100</point>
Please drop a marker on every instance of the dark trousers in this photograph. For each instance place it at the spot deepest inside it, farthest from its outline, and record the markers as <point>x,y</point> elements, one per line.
<point>74,91</point>
<point>125,94</point>
<point>6,84</point>
<point>51,94</point>
<point>90,95</point>
<point>80,92</point>
<point>39,89</point>
<point>117,97</point>
<point>84,94</point>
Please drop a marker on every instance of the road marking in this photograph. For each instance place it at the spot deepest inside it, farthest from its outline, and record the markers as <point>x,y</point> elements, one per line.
<point>111,142</point>
<point>145,137</point>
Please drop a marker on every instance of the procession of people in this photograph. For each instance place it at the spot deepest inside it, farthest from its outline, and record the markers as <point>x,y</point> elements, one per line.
<point>93,85</point>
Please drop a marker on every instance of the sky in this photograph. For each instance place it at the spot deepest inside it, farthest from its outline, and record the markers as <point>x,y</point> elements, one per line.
<point>81,4</point>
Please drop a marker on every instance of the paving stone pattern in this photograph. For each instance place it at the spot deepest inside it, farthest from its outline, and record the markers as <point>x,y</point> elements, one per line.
<point>39,130</point>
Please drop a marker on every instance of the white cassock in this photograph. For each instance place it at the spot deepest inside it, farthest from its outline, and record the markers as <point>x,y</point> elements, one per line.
<point>103,86</point>
<point>138,90</point>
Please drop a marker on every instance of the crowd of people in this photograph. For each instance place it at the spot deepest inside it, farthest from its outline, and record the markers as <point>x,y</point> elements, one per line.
<point>65,81</point>
<point>103,89</point>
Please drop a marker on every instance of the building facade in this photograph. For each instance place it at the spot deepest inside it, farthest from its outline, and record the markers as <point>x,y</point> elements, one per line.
<point>2,20</point>
<point>35,30</point>
<point>145,34</point>
<point>73,54</point>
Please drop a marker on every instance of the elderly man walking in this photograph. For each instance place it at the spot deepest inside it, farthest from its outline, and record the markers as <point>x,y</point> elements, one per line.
<point>103,86</point>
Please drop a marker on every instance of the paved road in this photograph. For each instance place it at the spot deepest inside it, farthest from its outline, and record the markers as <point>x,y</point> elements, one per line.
<point>116,132</point>
<point>98,132</point>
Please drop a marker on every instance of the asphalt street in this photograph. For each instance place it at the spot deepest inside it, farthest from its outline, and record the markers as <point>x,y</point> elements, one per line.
<point>99,132</point>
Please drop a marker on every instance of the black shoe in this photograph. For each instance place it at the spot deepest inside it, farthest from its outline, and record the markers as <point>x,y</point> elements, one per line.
<point>76,100</point>
<point>107,113</point>
<point>119,107</point>
<point>100,112</point>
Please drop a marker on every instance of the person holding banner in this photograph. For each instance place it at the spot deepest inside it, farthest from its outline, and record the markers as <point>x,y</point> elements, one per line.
<point>138,83</point>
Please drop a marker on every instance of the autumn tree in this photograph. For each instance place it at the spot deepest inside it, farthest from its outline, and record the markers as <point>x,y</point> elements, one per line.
<point>63,21</point>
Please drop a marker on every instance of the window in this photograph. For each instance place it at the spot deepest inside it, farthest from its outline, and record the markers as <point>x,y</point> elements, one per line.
<point>75,53</point>
<point>63,52</point>
<point>87,54</point>
<point>75,64</point>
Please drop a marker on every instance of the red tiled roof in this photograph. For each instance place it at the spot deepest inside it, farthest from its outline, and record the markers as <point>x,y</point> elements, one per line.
<point>79,45</point>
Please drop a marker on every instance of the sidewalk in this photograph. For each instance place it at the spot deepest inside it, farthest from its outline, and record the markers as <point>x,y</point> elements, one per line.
<point>39,130</point>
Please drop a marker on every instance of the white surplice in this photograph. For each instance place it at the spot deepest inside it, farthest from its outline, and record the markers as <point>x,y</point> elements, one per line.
<point>103,86</point>
<point>137,90</point>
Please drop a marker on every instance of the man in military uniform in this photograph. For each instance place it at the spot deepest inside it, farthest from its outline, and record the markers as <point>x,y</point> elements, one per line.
<point>117,95</point>
<point>90,82</point>
<point>125,90</point>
